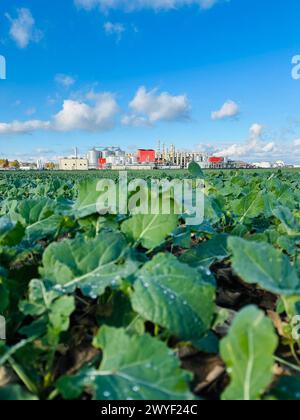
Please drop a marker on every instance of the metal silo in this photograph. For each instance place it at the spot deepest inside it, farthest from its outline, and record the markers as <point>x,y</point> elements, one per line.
<point>93,157</point>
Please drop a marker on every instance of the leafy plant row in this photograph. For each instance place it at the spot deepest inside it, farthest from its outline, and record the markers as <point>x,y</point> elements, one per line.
<point>145,307</point>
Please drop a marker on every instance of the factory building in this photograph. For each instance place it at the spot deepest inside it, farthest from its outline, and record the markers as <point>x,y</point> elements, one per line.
<point>100,158</point>
<point>73,164</point>
<point>105,158</point>
<point>172,157</point>
<point>146,156</point>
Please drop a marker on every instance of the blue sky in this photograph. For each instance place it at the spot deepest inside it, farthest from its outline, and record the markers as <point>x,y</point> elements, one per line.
<point>201,74</point>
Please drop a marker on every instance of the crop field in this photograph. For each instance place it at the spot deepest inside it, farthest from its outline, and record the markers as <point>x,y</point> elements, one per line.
<point>146,307</point>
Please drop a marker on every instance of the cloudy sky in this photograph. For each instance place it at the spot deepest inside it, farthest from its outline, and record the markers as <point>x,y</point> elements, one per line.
<point>213,75</point>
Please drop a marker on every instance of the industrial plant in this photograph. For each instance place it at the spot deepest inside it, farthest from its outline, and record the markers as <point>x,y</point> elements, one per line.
<point>114,158</point>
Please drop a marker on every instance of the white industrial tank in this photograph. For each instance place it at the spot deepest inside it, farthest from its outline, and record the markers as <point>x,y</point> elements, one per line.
<point>93,157</point>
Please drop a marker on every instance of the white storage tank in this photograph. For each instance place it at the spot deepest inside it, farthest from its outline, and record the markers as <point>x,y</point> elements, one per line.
<point>93,157</point>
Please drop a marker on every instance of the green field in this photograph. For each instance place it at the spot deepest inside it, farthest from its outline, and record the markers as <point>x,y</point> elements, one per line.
<point>146,307</point>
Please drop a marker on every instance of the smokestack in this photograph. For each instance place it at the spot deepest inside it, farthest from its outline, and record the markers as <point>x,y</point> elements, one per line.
<point>158,149</point>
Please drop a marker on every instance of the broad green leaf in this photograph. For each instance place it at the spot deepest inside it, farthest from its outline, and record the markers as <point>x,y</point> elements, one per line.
<point>15,393</point>
<point>59,318</point>
<point>208,344</point>
<point>90,265</point>
<point>39,299</point>
<point>196,170</point>
<point>31,211</point>
<point>149,230</point>
<point>45,228</point>
<point>7,352</point>
<point>11,233</point>
<point>182,237</point>
<point>248,354</point>
<point>289,222</point>
<point>207,253</point>
<point>287,389</point>
<point>260,263</point>
<point>37,215</point>
<point>86,202</point>
<point>175,296</point>
<point>212,210</point>
<point>250,206</point>
<point>132,368</point>
<point>288,244</point>
<point>53,312</point>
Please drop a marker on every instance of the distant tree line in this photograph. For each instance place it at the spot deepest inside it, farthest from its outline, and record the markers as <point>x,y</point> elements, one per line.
<point>15,164</point>
<point>5,163</point>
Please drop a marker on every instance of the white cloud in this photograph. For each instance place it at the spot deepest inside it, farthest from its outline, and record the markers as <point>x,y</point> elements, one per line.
<point>74,115</point>
<point>23,29</point>
<point>257,149</point>
<point>132,5</point>
<point>209,149</point>
<point>228,110</point>
<point>297,143</point>
<point>65,80</point>
<point>77,115</point>
<point>150,107</point>
<point>116,29</point>
<point>256,130</point>
<point>254,146</point>
<point>96,112</point>
<point>18,127</point>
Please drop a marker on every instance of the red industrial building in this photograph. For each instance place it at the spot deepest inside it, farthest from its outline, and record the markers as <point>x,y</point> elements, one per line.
<point>215,159</point>
<point>146,156</point>
<point>102,163</point>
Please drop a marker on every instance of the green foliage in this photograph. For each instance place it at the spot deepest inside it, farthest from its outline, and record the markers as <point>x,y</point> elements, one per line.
<point>208,252</point>
<point>91,265</point>
<point>175,296</point>
<point>11,233</point>
<point>287,389</point>
<point>132,367</point>
<point>260,263</point>
<point>195,170</point>
<point>86,203</point>
<point>15,393</point>
<point>248,353</point>
<point>111,306</point>
<point>149,230</point>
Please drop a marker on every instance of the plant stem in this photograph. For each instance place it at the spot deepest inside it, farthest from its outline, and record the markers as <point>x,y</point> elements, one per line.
<point>133,322</point>
<point>294,353</point>
<point>290,365</point>
<point>53,395</point>
<point>30,385</point>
